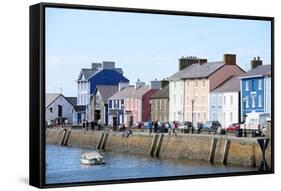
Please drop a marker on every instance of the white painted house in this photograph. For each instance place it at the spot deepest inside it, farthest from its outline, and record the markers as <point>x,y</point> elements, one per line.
<point>58,108</point>
<point>224,102</point>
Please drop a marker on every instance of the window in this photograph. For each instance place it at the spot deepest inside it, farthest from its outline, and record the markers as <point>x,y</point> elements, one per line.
<point>198,116</point>
<point>203,99</point>
<point>247,101</point>
<point>203,83</point>
<point>175,84</point>
<point>260,84</point>
<point>175,102</point>
<point>155,102</point>
<point>220,100</point>
<point>260,100</point>
<point>196,83</point>
<point>51,110</point>
<point>205,116</point>
<point>231,117</point>
<point>187,83</point>
<point>253,101</point>
<point>181,100</point>
<point>174,115</point>
<point>187,100</point>
<point>224,100</point>
<point>247,85</point>
<point>231,100</point>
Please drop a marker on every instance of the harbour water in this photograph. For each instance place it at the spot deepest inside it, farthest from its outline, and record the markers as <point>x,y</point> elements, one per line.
<point>63,166</point>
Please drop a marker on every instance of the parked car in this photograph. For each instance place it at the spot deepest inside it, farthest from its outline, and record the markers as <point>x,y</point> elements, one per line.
<point>211,125</point>
<point>185,125</point>
<point>233,127</point>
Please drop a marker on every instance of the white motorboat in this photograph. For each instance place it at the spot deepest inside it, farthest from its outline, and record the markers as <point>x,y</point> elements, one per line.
<point>92,158</point>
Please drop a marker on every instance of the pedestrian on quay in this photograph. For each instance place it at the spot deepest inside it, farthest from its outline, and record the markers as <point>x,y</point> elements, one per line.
<point>83,125</point>
<point>175,126</point>
<point>150,126</point>
<point>87,125</point>
<point>92,125</point>
<point>155,126</point>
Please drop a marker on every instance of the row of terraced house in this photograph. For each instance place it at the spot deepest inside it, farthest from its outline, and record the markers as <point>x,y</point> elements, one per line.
<point>202,91</point>
<point>198,92</point>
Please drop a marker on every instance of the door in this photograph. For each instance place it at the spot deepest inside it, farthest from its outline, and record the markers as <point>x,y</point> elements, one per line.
<point>59,111</point>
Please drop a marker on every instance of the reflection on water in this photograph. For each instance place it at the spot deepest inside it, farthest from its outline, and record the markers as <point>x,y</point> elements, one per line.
<point>63,166</point>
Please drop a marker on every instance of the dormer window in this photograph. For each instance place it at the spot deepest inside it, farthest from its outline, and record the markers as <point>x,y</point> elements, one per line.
<point>51,110</point>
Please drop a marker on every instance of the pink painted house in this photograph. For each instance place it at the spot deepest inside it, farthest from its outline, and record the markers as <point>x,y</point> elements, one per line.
<point>198,80</point>
<point>136,107</point>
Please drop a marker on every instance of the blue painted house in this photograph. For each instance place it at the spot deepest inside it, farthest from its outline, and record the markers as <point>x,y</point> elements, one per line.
<point>107,76</point>
<point>256,90</point>
<point>103,73</point>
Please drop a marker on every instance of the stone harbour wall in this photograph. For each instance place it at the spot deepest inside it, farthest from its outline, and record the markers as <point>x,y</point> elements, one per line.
<point>214,148</point>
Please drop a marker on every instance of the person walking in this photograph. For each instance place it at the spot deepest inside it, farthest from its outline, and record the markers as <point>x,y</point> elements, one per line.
<point>87,125</point>
<point>155,126</point>
<point>92,125</point>
<point>150,126</point>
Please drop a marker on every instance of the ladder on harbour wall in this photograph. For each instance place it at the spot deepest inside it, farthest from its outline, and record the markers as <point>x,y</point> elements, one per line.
<point>65,136</point>
<point>214,147</point>
<point>156,145</point>
<point>102,140</point>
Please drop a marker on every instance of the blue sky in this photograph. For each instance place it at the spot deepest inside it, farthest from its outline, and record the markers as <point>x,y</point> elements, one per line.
<point>145,46</point>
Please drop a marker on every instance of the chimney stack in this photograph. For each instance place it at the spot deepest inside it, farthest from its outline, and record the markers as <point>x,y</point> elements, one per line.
<point>164,83</point>
<point>229,59</point>
<point>185,62</point>
<point>155,84</point>
<point>108,65</point>
<point>256,62</point>
<point>139,84</point>
<point>122,85</point>
<point>96,66</point>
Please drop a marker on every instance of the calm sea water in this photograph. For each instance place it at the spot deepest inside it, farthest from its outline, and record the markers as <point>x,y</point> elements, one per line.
<point>63,166</point>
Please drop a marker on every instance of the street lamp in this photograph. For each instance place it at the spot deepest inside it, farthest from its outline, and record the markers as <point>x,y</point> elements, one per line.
<point>244,115</point>
<point>192,115</point>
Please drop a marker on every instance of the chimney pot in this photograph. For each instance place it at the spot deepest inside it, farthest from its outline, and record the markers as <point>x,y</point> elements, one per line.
<point>256,62</point>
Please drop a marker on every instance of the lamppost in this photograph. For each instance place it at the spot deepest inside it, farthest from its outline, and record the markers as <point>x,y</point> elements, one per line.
<point>192,115</point>
<point>244,115</point>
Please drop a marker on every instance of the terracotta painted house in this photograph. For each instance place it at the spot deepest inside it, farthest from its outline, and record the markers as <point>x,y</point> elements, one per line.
<point>189,88</point>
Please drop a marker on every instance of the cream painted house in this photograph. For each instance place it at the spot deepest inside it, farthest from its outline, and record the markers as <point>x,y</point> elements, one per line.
<point>176,91</point>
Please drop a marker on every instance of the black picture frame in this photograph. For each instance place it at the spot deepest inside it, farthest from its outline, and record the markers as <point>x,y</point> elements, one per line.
<point>37,92</point>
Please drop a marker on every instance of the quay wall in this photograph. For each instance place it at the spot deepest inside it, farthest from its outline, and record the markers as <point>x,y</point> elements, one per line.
<point>214,148</point>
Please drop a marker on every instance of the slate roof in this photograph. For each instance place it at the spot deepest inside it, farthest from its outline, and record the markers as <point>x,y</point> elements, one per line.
<point>50,97</point>
<point>87,73</point>
<point>131,92</point>
<point>72,100</point>
<point>80,108</point>
<point>106,91</point>
<point>203,70</point>
<point>161,94</point>
<point>264,70</point>
<point>141,91</point>
<point>232,84</point>
<point>127,92</point>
